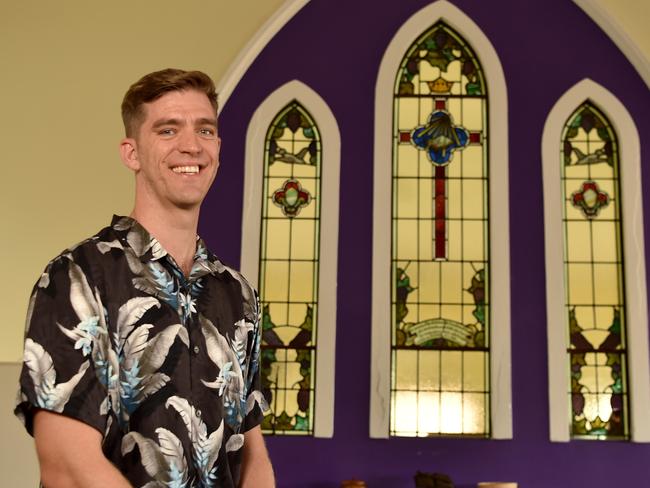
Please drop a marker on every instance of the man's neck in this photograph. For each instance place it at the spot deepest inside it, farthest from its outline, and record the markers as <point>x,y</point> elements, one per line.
<point>175,229</point>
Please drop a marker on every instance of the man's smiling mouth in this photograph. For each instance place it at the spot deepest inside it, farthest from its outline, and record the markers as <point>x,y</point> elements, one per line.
<point>185,169</point>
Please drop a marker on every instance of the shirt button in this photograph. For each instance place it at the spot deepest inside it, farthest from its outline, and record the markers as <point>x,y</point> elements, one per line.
<point>198,413</point>
<point>196,349</point>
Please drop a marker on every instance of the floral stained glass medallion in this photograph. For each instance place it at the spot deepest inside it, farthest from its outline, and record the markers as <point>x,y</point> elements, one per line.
<point>289,254</point>
<point>440,268</point>
<point>595,305</point>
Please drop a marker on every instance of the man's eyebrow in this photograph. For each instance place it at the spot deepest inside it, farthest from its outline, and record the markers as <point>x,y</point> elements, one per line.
<point>161,122</point>
<point>206,121</point>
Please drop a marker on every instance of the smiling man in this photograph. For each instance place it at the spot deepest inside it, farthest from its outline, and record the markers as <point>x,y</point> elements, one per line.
<point>141,363</point>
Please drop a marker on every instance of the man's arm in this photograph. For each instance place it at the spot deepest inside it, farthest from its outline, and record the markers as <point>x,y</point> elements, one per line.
<point>70,454</point>
<point>256,471</point>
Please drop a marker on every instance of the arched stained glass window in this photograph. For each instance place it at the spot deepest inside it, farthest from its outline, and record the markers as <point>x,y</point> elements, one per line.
<point>598,366</point>
<point>595,299</point>
<point>289,270</point>
<point>440,266</point>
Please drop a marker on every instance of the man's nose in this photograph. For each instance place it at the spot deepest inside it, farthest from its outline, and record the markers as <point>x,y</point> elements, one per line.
<point>189,142</point>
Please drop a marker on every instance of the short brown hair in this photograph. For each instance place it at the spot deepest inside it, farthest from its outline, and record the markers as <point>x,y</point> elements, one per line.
<point>154,85</point>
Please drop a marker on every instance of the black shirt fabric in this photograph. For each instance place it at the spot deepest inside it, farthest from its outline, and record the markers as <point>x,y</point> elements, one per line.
<point>165,366</point>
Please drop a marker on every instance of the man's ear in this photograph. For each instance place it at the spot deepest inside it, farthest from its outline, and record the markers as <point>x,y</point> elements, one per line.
<point>129,153</point>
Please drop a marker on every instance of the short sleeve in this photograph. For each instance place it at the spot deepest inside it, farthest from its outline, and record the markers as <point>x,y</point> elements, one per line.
<point>255,402</point>
<point>65,359</point>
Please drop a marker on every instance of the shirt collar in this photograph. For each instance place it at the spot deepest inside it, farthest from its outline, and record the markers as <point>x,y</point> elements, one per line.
<point>148,248</point>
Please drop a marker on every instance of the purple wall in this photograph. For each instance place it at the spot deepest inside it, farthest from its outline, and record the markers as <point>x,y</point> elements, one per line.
<point>335,48</point>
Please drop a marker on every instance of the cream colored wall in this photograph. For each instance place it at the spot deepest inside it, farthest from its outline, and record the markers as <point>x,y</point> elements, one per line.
<point>65,67</point>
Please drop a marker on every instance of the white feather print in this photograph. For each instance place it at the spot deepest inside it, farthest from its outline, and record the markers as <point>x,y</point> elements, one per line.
<point>41,369</point>
<point>132,311</point>
<point>235,442</point>
<point>81,296</point>
<point>153,461</point>
<point>172,449</point>
<point>105,246</point>
<point>157,349</point>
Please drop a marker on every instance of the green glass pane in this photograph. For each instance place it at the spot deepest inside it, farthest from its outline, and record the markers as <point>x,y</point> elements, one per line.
<point>594,277</point>
<point>289,270</point>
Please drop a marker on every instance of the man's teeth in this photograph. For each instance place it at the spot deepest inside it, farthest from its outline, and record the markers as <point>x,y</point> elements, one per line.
<point>185,169</point>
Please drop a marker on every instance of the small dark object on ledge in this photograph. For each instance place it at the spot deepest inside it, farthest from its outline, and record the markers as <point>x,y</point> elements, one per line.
<point>432,480</point>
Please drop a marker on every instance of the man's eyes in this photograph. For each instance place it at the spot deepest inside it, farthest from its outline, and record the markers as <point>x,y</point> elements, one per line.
<point>207,131</point>
<point>203,131</point>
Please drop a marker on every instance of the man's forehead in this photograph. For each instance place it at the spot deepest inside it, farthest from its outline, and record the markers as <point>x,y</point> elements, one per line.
<point>180,103</point>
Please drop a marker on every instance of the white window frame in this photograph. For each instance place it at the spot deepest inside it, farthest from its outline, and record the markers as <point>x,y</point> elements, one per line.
<point>500,362</point>
<point>633,254</point>
<point>329,220</point>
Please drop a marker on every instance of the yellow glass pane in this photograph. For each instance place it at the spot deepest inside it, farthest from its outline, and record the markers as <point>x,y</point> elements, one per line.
<point>276,284</point>
<point>429,73</point>
<point>404,412</point>
<point>454,107</point>
<point>407,197</point>
<point>452,287</point>
<point>278,313</point>
<point>604,317</point>
<point>474,371</point>
<point>473,199</point>
<point>277,239</point>
<point>451,378</point>
<point>429,282</point>
<point>425,167</point>
<point>454,199</point>
<point>407,243</point>
<point>425,239</point>
<point>302,282</point>
<point>585,317</point>
<point>429,371</point>
<point>576,172</point>
<point>406,370</point>
<point>601,170</point>
<point>607,185</point>
<point>310,185</point>
<point>604,241</point>
<point>297,313</point>
<point>285,333</point>
<point>272,210</point>
<point>578,241</point>
<point>472,162</point>
<point>573,213</point>
<point>451,413</point>
<point>606,284</point>
<point>473,114</point>
<point>454,240</point>
<point>303,171</point>
<point>425,198</point>
<point>580,284</point>
<point>407,160</point>
<point>428,413</point>
<point>473,246</point>
<point>407,114</point>
<point>474,414</point>
<point>610,211</point>
<point>302,239</point>
<point>426,107</point>
<point>279,169</point>
<point>428,312</point>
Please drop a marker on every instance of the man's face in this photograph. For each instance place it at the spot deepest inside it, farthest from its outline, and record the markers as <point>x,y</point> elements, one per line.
<point>176,151</point>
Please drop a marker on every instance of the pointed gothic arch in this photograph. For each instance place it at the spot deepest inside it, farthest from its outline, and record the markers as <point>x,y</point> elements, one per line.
<point>308,105</point>
<point>500,415</point>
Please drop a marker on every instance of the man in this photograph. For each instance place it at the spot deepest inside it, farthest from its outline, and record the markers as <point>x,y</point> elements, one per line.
<point>141,363</point>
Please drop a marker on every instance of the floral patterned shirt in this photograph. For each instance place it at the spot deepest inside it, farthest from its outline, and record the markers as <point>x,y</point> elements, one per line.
<point>165,366</point>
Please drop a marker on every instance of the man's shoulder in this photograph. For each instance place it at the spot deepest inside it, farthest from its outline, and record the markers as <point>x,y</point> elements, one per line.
<point>84,253</point>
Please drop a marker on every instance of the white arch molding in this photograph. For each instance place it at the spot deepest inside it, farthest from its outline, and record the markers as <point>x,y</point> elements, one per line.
<point>633,252</point>
<point>329,225</point>
<point>500,365</point>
